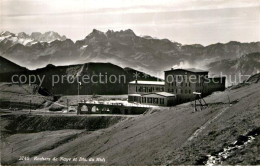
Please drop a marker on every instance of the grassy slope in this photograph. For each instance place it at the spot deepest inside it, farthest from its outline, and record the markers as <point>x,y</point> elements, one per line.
<point>161,136</point>
<point>34,143</point>
<point>239,119</point>
<point>21,94</point>
<point>31,135</point>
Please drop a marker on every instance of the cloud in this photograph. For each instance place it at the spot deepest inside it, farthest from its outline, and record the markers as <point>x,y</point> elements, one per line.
<point>16,8</point>
<point>185,21</point>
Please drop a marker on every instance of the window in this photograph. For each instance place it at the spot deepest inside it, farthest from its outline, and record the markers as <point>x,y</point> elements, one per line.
<point>161,101</point>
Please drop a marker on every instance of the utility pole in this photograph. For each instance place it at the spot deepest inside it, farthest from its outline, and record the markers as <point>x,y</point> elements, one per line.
<point>30,106</point>
<point>67,105</point>
<point>79,83</point>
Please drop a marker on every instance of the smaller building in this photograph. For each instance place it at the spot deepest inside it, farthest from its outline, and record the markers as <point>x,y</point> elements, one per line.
<point>216,84</point>
<point>143,87</point>
<point>157,98</point>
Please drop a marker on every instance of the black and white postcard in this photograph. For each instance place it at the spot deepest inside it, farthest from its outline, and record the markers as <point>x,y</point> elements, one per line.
<point>130,82</point>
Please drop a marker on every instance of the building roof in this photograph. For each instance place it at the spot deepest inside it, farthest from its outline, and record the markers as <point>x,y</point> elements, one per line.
<point>165,94</point>
<point>134,94</point>
<point>194,70</point>
<point>148,82</point>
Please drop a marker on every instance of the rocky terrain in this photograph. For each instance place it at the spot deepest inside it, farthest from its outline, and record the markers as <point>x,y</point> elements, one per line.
<point>175,135</point>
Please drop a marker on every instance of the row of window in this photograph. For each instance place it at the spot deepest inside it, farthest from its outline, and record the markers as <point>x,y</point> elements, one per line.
<point>148,89</point>
<point>199,84</point>
<point>152,100</point>
<point>179,91</point>
<point>184,84</point>
<point>180,84</point>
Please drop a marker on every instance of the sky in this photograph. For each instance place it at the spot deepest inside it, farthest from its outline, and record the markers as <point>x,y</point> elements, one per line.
<point>184,21</point>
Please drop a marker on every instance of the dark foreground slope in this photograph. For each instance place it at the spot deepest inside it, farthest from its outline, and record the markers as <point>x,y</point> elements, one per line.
<point>173,135</point>
<point>30,135</point>
<point>7,66</point>
<point>96,78</point>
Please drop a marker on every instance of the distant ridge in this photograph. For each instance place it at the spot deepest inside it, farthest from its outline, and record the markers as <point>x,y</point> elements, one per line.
<point>125,48</point>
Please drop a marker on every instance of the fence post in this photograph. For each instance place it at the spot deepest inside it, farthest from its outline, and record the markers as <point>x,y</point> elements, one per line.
<point>67,106</point>
<point>30,106</point>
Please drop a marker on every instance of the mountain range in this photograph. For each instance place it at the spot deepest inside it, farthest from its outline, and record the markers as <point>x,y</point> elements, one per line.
<point>126,49</point>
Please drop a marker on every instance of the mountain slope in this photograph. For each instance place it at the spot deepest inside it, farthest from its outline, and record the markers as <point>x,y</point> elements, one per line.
<point>246,64</point>
<point>173,136</point>
<point>238,69</point>
<point>96,78</point>
<point>7,66</point>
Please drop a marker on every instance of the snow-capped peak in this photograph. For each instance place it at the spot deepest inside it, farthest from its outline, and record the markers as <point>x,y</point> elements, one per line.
<point>6,33</point>
<point>27,40</point>
<point>47,36</point>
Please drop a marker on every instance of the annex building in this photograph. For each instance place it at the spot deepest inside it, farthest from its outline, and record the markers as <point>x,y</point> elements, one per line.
<point>178,87</point>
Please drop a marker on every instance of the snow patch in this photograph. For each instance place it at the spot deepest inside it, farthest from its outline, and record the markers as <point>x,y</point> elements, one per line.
<point>83,47</point>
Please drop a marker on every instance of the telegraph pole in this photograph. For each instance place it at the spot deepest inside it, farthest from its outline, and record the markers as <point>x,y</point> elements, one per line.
<point>67,105</point>
<point>79,83</point>
<point>30,106</point>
